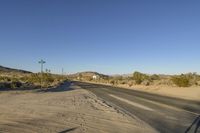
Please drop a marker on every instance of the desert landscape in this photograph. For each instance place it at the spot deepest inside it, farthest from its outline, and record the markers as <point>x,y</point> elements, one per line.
<point>99,66</point>
<point>61,108</point>
<point>185,86</point>
<point>61,104</point>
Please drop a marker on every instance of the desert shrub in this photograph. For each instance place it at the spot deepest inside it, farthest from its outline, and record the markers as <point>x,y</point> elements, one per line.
<point>5,85</point>
<point>130,83</point>
<point>30,80</point>
<point>34,78</point>
<point>14,85</point>
<point>88,78</point>
<point>44,78</point>
<point>118,78</point>
<point>5,79</point>
<point>14,79</point>
<point>47,78</point>
<point>181,81</point>
<point>193,77</point>
<point>146,82</point>
<point>112,82</point>
<point>155,77</point>
<point>123,82</point>
<point>105,78</point>
<point>24,79</point>
<point>2,85</point>
<point>140,77</point>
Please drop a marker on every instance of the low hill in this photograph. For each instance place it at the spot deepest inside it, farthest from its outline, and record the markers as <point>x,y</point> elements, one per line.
<point>87,74</point>
<point>12,70</point>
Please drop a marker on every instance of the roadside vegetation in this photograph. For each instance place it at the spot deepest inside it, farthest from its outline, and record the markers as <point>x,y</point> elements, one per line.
<point>181,81</point>
<point>141,79</point>
<point>29,80</point>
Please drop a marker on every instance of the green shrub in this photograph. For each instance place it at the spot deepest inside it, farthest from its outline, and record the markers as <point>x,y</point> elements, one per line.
<point>140,77</point>
<point>181,81</point>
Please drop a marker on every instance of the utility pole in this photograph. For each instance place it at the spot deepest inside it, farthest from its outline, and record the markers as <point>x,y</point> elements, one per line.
<point>62,71</point>
<point>42,62</point>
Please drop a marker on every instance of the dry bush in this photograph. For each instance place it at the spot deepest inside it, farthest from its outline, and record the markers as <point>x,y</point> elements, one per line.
<point>146,82</point>
<point>15,84</point>
<point>30,80</point>
<point>5,85</point>
<point>88,78</point>
<point>140,77</point>
<point>154,77</point>
<point>181,81</point>
<point>112,82</point>
<point>130,83</point>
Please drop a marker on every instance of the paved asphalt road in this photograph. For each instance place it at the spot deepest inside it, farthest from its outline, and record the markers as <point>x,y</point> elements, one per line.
<point>165,114</point>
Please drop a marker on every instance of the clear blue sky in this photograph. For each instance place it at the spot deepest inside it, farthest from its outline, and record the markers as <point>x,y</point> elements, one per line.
<point>108,36</point>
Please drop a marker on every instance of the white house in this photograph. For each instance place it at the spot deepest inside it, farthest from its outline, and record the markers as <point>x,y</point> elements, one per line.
<point>95,77</point>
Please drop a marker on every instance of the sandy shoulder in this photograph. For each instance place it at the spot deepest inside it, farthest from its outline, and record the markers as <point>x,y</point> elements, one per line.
<point>188,93</point>
<point>76,110</point>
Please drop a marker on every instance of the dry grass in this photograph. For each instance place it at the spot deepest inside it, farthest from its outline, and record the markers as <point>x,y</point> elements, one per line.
<point>13,80</point>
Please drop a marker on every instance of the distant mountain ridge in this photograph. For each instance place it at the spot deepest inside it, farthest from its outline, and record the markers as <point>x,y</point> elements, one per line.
<point>7,69</point>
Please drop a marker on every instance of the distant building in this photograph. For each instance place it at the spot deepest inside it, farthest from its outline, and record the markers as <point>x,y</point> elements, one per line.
<point>95,77</point>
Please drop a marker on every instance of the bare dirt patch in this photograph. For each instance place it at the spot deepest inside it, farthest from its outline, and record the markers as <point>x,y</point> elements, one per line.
<point>190,93</point>
<point>62,110</point>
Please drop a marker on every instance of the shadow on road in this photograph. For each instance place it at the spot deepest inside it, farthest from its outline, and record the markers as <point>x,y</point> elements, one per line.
<point>63,87</point>
<point>197,122</point>
<point>68,130</point>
